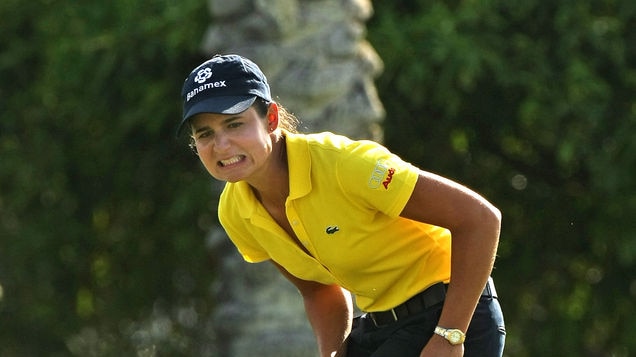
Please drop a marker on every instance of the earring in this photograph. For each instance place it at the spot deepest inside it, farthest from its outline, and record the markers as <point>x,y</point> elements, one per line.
<point>193,147</point>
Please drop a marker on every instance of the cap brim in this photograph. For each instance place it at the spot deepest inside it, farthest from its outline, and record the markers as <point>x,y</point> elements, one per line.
<point>218,105</point>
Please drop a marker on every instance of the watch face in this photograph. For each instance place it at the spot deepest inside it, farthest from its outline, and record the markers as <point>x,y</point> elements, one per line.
<point>454,337</point>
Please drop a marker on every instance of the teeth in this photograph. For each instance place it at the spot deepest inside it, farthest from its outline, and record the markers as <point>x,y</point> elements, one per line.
<point>231,161</point>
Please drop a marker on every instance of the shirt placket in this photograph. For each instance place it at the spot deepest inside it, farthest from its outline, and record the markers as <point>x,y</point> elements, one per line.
<point>299,229</point>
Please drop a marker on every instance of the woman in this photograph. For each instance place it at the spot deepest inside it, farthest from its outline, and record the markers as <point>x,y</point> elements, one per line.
<point>338,216</point>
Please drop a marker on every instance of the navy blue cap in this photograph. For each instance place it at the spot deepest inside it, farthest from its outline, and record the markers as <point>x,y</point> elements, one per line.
<point>224,84</point>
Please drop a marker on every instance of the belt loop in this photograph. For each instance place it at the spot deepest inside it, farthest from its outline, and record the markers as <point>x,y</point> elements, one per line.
<point>372,316</point>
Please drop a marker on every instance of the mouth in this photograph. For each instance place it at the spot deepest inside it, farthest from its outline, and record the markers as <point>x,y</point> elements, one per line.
<point>231,161</point>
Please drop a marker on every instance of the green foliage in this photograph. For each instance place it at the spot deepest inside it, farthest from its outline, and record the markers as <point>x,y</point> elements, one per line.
<point>101,209</point>
<point>103,212</point>
<point>533,104</point>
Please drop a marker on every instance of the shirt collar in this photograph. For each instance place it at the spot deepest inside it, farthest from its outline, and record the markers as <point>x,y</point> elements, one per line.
<point>299,165</point>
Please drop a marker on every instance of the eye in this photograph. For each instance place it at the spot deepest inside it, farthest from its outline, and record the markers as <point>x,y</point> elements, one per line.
<point>234,125</point>
<point>204,134</point>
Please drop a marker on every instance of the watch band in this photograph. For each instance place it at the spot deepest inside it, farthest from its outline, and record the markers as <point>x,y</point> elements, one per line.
<point>452,335</point>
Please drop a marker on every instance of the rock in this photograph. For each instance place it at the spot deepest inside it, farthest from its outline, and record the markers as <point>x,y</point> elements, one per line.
<point>321,68</point>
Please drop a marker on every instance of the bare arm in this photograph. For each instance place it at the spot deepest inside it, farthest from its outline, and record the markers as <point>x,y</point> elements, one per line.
<point>474,224</point>
<point>329,310</point>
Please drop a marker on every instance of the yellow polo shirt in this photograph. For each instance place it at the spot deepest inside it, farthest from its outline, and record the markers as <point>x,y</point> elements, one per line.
<point>344,202</point>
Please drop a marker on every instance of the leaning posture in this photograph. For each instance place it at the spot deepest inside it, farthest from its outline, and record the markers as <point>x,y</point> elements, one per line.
<point>341,217</point>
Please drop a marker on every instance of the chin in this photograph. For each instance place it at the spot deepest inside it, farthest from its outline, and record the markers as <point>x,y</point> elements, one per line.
<point>231,179</point>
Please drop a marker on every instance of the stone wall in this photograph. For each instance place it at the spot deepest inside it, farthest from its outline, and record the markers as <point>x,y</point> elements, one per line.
<point>321,68</point>
<point>314,54</point>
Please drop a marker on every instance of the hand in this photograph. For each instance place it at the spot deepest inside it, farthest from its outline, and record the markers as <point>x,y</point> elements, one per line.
<point>439,347</point>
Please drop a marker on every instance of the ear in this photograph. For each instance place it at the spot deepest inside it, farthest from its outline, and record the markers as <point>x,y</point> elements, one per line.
<point>272,116</point>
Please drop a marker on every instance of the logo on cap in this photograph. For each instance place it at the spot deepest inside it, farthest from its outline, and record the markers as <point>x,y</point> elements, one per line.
<point>203,75</point>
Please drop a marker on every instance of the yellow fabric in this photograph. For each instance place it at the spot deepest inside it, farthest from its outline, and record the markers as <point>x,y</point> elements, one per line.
<point>344,204</point>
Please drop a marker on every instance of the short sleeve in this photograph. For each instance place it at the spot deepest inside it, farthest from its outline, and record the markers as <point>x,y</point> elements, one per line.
<point>377,178</point>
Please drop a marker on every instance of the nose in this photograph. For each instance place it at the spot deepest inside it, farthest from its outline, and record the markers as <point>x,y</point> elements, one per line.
<point>221,142</point>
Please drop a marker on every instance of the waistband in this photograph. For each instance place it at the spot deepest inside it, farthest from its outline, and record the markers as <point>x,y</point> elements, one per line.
<point>433,295</point>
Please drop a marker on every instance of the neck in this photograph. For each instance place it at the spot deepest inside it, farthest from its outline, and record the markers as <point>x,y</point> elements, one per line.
<point>274,185</point>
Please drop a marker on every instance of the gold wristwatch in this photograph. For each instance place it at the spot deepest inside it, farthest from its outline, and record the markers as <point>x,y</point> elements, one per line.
<point>452,335</point>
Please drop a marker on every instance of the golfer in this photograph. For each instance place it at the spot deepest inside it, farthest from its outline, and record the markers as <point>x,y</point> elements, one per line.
<point>343,218</point>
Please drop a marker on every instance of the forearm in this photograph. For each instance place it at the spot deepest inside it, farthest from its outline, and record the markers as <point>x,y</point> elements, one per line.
<point>472,258</point>
<point>329,311</point>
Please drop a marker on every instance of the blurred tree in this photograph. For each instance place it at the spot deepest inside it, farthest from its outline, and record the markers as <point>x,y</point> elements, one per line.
<point>533,104</point>
<point>103,213</point>
<point>100,210</point>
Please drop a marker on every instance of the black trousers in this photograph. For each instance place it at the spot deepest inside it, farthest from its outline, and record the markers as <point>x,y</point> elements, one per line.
<point>407,337</point>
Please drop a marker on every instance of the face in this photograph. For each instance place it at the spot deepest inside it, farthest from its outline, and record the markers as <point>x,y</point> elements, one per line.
<point>233,147</point>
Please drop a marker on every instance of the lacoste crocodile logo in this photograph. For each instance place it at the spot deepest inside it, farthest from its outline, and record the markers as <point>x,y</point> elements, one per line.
<point>332,229</point>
